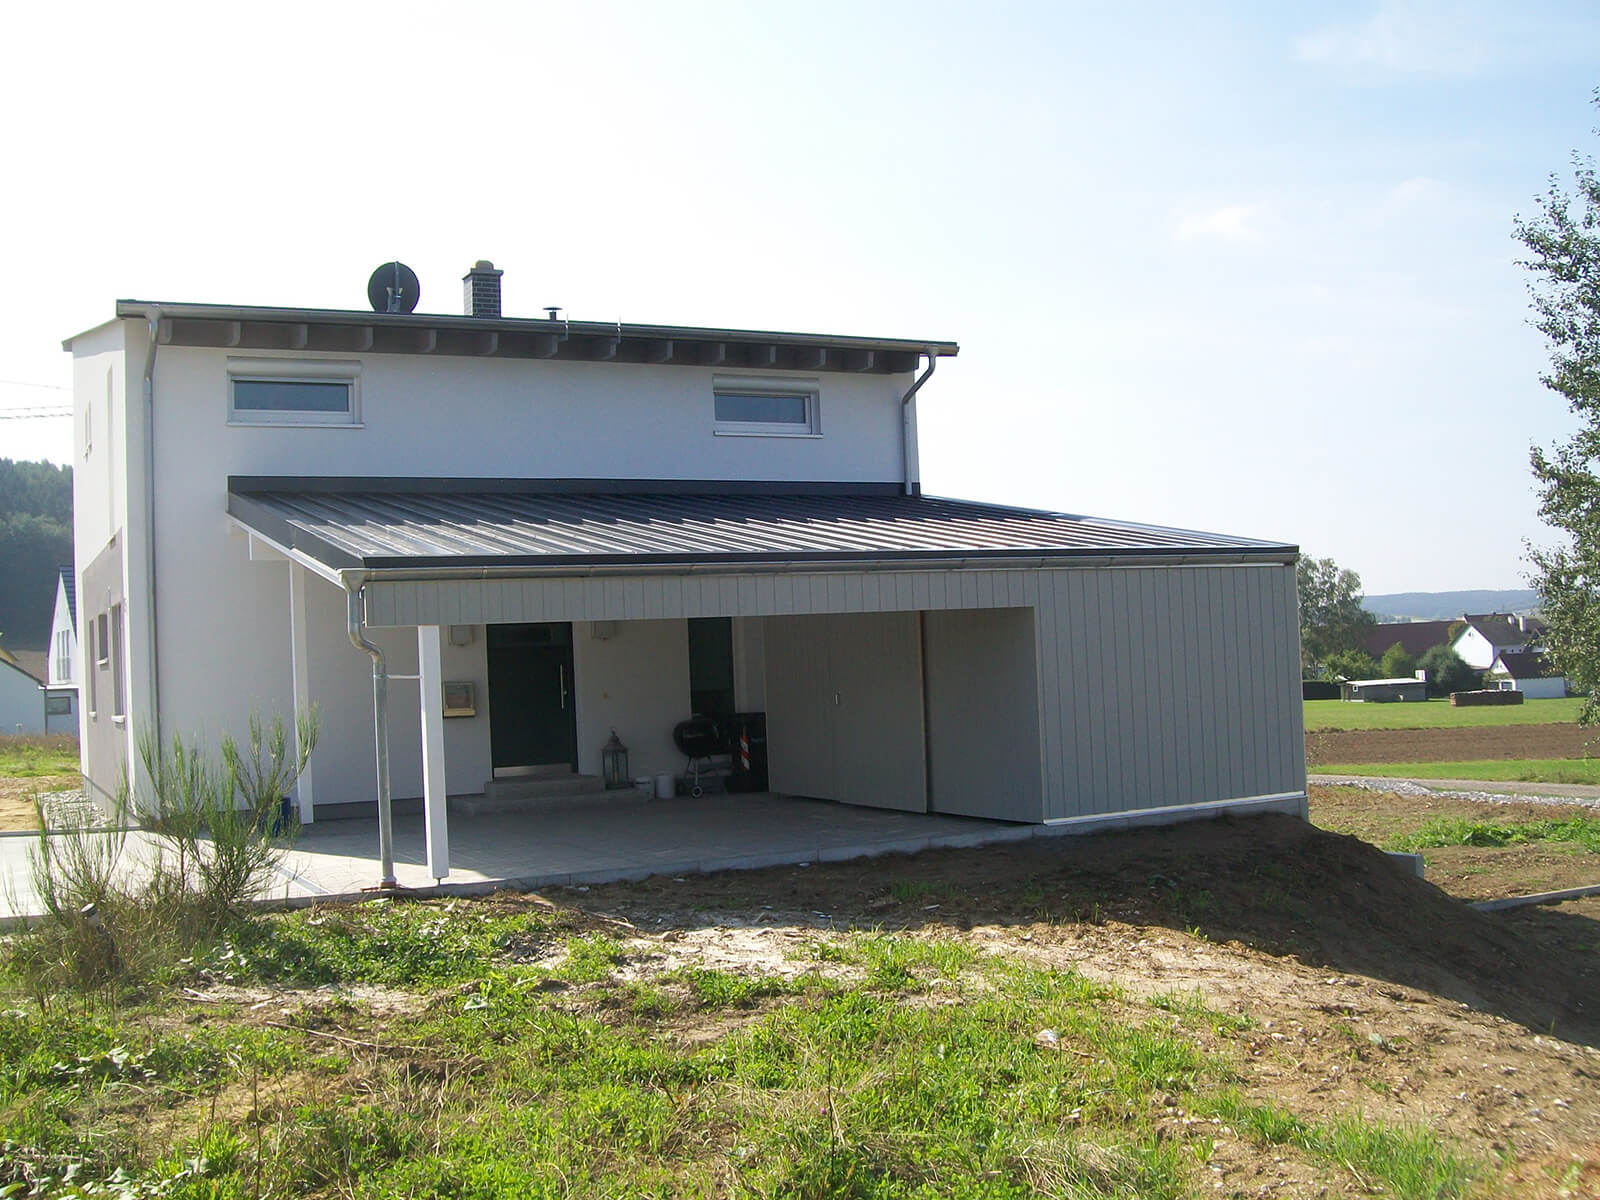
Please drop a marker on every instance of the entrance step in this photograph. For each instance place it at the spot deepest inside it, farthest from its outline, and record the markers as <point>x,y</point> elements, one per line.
<point>542,793</point>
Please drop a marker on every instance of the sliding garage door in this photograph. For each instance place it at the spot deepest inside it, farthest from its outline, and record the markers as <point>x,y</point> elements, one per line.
<point>844,709</point>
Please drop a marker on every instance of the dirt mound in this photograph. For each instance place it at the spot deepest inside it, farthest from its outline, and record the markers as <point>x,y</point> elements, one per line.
<point>1273,883</point>
<point>1448,745</point>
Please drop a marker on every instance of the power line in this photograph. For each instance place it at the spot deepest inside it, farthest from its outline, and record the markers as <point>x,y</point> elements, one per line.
<point>54,387</point>
<point>39,412</point>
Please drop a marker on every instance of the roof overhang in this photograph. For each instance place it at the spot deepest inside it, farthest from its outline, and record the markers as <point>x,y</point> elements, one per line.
<point>436,529</point>
<point>339,331</point>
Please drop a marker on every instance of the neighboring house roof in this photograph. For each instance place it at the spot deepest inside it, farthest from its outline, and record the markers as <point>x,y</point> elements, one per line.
<point>31,663</point>
<point>69,583</point>
<point>407,524</point>
<point>1415,637</point>
<point>1500,630</point>
<point>248,327</point>
<point>1524,664</point>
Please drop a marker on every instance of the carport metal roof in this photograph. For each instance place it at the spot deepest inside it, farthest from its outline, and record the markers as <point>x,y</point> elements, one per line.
<point>420,525</point>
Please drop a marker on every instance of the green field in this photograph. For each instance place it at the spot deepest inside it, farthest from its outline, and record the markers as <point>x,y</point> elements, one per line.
<point>1437,714</point>
<point>33,756</point>
<point>1500,770</point>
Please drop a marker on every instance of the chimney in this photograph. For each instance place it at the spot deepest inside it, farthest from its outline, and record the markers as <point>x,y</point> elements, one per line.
<point>481,290</point>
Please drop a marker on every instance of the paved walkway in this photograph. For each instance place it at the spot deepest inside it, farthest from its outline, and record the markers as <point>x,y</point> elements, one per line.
<point>337,859</point>
<point>1569,793</point>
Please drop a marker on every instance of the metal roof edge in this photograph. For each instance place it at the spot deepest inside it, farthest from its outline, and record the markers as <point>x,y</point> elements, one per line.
<point>495,485</point>
<point>127,308</point>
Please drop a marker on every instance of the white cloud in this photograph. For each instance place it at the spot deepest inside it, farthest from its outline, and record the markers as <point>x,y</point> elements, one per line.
<point>1231,222</point>
<point>1403,38</point>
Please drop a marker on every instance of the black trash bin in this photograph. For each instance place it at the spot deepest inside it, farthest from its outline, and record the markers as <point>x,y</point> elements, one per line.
<point>747,743</point>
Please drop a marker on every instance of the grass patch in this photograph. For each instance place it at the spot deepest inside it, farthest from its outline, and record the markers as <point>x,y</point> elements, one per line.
<point>394,944</point>
<point>1193,1006</point>
<point>32,756</point>
<point>1583,831</point>
<point>1525,770</point>
<point>1438,714</point>
<point>498,1080</point>
<point>1413,1162</point>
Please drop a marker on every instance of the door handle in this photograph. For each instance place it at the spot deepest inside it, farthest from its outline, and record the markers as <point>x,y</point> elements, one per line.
<point>563,669</point>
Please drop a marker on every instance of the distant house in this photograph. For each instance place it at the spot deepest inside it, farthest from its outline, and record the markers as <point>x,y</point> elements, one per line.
<point>1415,637</point>
<point>1370,691</point>
<point>1528,672</point>
<point>61,673</point>
<point>1489,635</point>
<point>22,698</point>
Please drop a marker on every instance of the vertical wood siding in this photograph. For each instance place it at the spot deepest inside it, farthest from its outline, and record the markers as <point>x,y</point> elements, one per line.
<point>1156,686</point>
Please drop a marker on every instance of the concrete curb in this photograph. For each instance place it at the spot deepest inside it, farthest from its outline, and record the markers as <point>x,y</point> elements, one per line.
<point>1576,893</point>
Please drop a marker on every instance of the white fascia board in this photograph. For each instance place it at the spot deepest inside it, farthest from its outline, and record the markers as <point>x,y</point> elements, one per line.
<point>321,570</point>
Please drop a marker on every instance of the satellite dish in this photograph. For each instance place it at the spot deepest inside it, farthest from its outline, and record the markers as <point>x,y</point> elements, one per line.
<point>393,288</point>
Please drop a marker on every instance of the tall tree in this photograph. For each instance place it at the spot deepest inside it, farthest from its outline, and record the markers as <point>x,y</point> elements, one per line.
<point>1563,245</point>
<point>1331,616</point>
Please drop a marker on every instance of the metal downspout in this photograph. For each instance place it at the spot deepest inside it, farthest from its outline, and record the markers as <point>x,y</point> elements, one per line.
<point>153,316</point>
<point>905,418</point>
<point>380,735</point>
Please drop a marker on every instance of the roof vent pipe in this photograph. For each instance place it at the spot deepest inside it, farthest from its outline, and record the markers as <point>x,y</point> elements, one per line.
<point>481,290</point>
<point>905,421</point>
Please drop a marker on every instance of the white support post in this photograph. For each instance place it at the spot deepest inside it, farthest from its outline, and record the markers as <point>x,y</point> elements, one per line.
<point>300,661</point>
<point>430,685</point>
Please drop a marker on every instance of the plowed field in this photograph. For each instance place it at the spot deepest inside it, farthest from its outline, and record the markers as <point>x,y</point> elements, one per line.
<point>1450,745</point>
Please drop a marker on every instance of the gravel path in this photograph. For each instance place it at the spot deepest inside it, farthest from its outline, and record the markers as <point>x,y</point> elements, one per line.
<point>1489,792</point>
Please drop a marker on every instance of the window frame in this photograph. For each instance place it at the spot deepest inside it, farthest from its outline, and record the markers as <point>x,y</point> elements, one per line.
<point>287,370</point>
<point>92,669</point>
<point>119,677</point>
<point>807,389</point>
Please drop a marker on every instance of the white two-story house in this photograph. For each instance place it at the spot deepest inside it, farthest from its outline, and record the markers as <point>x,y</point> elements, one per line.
<point>480,544</point>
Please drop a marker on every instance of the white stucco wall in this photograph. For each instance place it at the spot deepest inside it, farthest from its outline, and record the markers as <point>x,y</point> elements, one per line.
<point>61,624</point>
<point>1540,689</point>
<point>1475,649</point>
<point>637,682</point>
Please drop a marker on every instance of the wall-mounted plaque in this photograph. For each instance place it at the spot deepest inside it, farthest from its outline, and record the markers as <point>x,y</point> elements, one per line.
<point>460,698</point>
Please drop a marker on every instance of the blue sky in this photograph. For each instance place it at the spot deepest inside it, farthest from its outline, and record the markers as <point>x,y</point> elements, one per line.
<point>1237,267</point>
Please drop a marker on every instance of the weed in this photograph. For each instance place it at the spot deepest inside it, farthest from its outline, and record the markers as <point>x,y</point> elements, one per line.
<point>1580,830</point>
<point>1411,1161</point>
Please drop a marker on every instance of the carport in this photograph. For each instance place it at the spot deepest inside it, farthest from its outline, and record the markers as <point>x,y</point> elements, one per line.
<point>922,655</point>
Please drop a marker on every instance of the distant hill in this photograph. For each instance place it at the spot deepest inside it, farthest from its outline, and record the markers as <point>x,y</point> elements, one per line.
<point>1440,606</point>
<point>35,538</point>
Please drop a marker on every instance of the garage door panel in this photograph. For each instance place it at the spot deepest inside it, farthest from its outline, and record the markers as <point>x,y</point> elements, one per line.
<point>879,755</point>
<point>799,721</point>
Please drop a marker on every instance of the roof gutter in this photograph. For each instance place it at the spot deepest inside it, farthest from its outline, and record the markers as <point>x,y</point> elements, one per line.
<point>905,417</point>
<point>355,586</point>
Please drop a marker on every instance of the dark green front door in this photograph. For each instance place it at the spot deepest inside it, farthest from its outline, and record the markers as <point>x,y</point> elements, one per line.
<point>532,714</point>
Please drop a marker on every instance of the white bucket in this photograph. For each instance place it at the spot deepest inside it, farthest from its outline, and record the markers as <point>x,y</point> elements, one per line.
<point>666,786</point>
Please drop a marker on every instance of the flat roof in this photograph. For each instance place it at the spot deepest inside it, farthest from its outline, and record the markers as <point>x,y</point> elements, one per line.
<point>257,327</point>
<point>422,524</point>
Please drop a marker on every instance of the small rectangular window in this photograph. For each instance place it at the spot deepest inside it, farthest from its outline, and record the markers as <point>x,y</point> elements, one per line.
<point>119,688</point>
<point>290,392</point>
<point>93,672</point>
<point>103,642</point>
<point>765,411</point>
<point>711,666</point>
<point>58,705</point>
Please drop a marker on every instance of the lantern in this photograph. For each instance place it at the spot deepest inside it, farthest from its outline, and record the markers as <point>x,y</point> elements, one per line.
<point>614,762</point>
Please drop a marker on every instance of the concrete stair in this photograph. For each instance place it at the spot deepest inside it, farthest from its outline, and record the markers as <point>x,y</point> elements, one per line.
<point>543,793</point>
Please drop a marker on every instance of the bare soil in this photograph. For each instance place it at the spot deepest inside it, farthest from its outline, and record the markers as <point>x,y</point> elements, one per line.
<point>1370,990</point>
<point>1449,745</point>
<point>17,810</point>
<point>1469,872</point>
